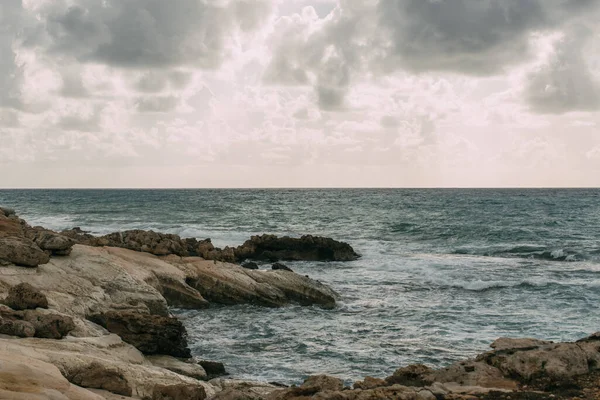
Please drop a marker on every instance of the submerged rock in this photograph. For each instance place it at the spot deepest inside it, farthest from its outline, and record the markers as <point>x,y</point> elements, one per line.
<point>151,334</point>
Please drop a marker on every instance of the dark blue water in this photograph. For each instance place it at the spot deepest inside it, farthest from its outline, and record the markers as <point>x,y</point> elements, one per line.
<point>443,272</point>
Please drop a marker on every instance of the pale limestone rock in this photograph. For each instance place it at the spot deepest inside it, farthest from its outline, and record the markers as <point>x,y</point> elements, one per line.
<point>186,368</point>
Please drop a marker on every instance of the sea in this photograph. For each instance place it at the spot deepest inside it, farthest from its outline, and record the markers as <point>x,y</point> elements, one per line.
<point>443,272</point>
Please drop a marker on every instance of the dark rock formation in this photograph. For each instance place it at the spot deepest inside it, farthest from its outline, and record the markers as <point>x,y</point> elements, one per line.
<point>282,267</point>
<point>17,328</point>
<point>308,248</point>
<point>151,334</point>
<point>250,265</point>
<point>213,368</point>
<point>265,247</point>
<point>24,297</point>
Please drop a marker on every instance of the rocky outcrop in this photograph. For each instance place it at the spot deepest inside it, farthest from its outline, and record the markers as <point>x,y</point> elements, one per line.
<point>24,296</point>
<point>265,247</point>
<point>280,267</point>
<point>151,334</point>
<point>308,248</point>
<point>52,242</point>
<point>23,245</point>
<point>231,284</point>
<point>22,251</point>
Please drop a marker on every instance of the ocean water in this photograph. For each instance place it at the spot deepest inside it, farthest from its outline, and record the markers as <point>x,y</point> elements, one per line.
<point>443,272</point>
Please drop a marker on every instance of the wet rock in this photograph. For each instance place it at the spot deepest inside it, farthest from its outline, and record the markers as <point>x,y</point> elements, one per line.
<point>281,267</point>
<point>151,334</point>
<point>24,296</point>
<point>22,251</point>
<point>100,376</point>
<point>308,248</point>
<point>213,368</point>
<point>250,265</point>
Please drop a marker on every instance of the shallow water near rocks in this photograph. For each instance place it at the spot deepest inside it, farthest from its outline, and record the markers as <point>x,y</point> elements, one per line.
<point>443,272</point>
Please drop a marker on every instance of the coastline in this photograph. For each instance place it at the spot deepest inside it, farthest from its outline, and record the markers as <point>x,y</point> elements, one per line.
<point>123,343</point>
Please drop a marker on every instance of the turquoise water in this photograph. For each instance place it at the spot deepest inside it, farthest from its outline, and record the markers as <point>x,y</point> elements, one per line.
<point>443,272</point>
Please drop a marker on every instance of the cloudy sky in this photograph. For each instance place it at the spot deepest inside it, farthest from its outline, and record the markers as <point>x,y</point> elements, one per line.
<point>299,93</point>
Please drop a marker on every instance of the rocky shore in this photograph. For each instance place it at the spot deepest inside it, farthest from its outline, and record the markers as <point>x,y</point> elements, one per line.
<point>86,317</point>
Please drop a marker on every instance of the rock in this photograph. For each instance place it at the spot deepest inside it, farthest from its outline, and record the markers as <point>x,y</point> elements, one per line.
<point>250,265</point>
<point>22,251</point>
<point>231,284</point>
<point>308,248</point>
<point>473,374</point>
<point>7,212</point>
<point>49,325</point>
<point>282,267</point>
<point>46,324</point>
<point>51,241</point>
<point>25,378</point>
<point>323,382</point>
<point>235,389</point>
<point>99,376</point>
<point>370,383</point>
<point>559,362</point>
<point>412,375</point>
<point>213,368</point>
<point>508,343</point>
<point>24,296</point>
<point>179,294</point>
<point>151,334</point>
<point>185,368</point>
<point>178,392</point>
<point>17,328</point>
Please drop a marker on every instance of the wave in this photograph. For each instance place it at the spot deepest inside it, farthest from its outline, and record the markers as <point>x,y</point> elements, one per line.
<point>483,286</point>
<point>529,252</point>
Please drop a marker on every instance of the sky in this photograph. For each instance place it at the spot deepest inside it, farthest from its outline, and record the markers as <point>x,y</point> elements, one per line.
<point>299,93</point>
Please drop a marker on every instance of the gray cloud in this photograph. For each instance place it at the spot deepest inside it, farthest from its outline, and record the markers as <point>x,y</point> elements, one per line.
<point>565,83</point>
<point>470,37</point>
<point>157,81</point>
<point>11,75</point>
<point>146,33</point>
<point>158,104</point>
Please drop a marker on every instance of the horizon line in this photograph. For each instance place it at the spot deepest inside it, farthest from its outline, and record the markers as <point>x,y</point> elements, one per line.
<point>308,188</point>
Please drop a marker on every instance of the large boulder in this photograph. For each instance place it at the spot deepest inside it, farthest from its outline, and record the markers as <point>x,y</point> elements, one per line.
<point>97,375</point>
<point>24,297</point>
<point>151,334</point>
<point>182,367</point>
<point>308,248</point>
<point>22,251</point>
